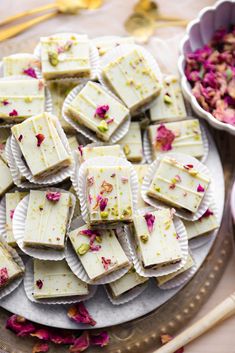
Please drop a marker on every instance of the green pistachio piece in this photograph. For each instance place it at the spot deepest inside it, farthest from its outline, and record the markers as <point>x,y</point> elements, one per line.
<point>167,99</point>
<point>104,214</point>
<point>28,99</point>
<point>103,126</point>
<point>158,189</point>
<point>98,239</point>
<point>83,249</point>
<point>126,150</point>
<point>144,238</point>
<point>53,58</point>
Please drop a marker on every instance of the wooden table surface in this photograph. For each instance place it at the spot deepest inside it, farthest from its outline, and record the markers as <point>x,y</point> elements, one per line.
<point>222,338</point>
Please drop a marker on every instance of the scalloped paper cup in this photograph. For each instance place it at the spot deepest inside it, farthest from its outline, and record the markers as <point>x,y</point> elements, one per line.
<point>25,171</point>
<point>198,33</point>
<point>94,56</point>
<point>116,136</point>
<point>19,220</point>
<point>124,49</point>
<point>80,182</point>
<point>184,159</point>
<point>76,265</point>
<point>3,218</point>
<point>128,296</point>
<point>29,285</point>
<point>165,270</point>
<point>15,283</point>
<point>148,149</point>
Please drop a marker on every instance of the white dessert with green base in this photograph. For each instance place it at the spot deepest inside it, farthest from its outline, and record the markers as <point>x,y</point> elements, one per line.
<point>131,143</point>
<point>109,197</point>
<point>6,181</point>
<point>65,55</point>
<point>41,145</point>
<point>98,250</point>
<point>97,110</point>
<point>179,185</point>
<point>9,269</point>
<point>169,106</point>
<point>87,152</point>
<point>157,239</point>
<point>205,224</point>
<point>132,79</point>
<point>20,64</point>
<point>54,279</point>
<point>21,99</point>
<point>47,219</point>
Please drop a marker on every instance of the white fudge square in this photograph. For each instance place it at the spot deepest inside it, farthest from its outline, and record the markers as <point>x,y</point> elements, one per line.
<point>9,269</point>
<point>88,152</point>
<point>99,256</point>
<point>185,135</point>
<point>106,44</point>
<point>97,110</point>
<point>131,143</point>
<point>20,64</point>
<point>54,279</point>
<point>157,239</point>
<point>47,220</point>
<point>132,79</point>
<point>21,99</point>
<point>169,105</point>
<point>65,55</point>
<point>6,179</point>
<point>41,145</point>
<point>205,224</point>
<point>178,185</point>
<point>109,197</point>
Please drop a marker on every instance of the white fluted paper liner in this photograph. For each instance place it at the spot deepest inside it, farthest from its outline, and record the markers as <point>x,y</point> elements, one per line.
<point>148,148</point>
<point>3,218</point>
<point>184,159</point>
<point>50,179</point>
<point>127,297</point>
<point>203,239</point>
<point>94,56</point>
<point>76,265</point>
<point>116,136</point>
<point>29,287</point>
<point>165,270</point>
<point>19,221</point>
<point>80,182</point>
<point>15,172</point>
<point>123,50</point>
<point>15,283</point>
<point>181,279</point>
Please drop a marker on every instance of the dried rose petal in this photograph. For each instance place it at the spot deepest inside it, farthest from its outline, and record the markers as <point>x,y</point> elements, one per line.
<point>40,347</point>
<point>3,276</point>
<point>172,186</point>
<point>95,248</point>
<point>53,196</point>
<point>62,338</point>
<point>30,72</point>
<point>90,180</point>
<point>20,138</point>
<point>207,214</point>
<point>80,314</point>
<point>5,102</point>
<point>81,343</point>
<point>124,180</point>
<point>150,219</point>
<point>110,121</point>
<point>90,199</point>
<point>103,203</point>
<point>106,187</point>
<point>13,113</point>
<point>105,263</point>
<point>20,325</point>
<point>40,138</point>
<point>200,188</point>
<point>101,111</point>
<point>12,214</point>
<point>98,198</point>
<point>39,283</point>
<point>188,166</point>
<point>178,178</point>
<point>80,149</point>
<point>41,334</point>
<point>88,232</point>
<point>164,138</point>
<point>101,340</point>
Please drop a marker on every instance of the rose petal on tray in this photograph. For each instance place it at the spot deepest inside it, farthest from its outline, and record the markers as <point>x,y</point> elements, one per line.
<point>80,314</point>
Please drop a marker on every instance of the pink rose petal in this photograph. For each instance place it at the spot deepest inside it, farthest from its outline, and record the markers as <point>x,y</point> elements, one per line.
<point>200,188</point>
<point>53,196</point>
<point>40,347</point>
<point>150,219</point>
<point>20,325</point>
<point>80,314</point>
<point>20,138</point>
<point>100,340</point>
<point>103,203</point>
<point>30,72</point>
<point>39,283</point>
<point>13,113</point>
<point>41,334</point>
<point>12,214</point>
<point>40,138</point>
<point>4,276</point>
<point>101,111</point>
<point>164,138</point>
<point>81,343</point>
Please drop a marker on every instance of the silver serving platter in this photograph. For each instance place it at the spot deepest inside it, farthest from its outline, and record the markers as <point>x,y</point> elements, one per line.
<point>99,306</point>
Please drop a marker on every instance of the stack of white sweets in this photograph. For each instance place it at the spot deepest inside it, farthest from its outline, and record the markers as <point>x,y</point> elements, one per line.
<point>79,120</point>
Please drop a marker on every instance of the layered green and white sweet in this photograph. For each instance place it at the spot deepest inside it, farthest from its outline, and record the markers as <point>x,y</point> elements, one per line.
<point>9,269</point>
<point>169,106</point>
<point>105,44</point>
<point>21,99</point>
<point>47,220</point>
<point>187,138</point>
<point>99,251</point>
<point>132,79</point>
<point>202,226</point>
<point>84,109</point>
<point>179,185</point>
<point>141,170</point>
<point>6,181</point>
<point>54,279</point>
<point>41,145</point>
<point>65,55</point>
<point>166,278</point>
<point>88,152</point>
<point>158,243</point>
<point>20,64</point>
<point>131,143</point>
<point>126,283</point>
<point>12,200</point>
<point>109,197</point>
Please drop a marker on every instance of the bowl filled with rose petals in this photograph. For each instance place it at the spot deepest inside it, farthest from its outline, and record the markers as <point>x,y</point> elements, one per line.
<point>207,65</point>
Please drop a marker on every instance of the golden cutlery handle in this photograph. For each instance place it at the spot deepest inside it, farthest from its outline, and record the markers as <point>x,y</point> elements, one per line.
<point>221,312</point>
<point>171,24</point>
<point>27,13</point>
<point>14,30</point>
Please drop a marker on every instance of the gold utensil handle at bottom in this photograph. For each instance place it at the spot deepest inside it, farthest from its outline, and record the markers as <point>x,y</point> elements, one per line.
<point>13,31</point>
<point>221,312</point>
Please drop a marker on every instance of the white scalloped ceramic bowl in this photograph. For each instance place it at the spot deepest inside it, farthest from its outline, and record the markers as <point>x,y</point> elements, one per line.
<point>198,33</point>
